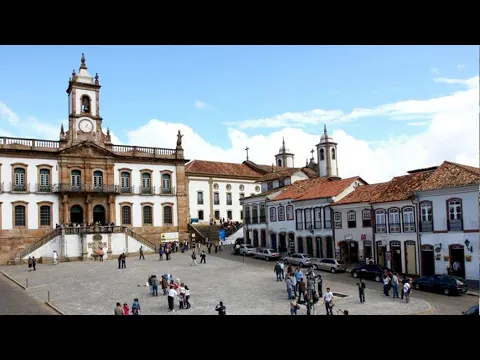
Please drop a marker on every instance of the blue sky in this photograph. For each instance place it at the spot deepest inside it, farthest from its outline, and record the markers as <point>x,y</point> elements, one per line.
<point>238,83</point>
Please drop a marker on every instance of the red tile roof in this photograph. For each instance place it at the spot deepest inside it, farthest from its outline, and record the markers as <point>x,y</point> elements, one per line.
<point>316,188</point>
<point>363,194</point>
<point>221,169</point>
<point>450,175</point>
<point>286,173</point>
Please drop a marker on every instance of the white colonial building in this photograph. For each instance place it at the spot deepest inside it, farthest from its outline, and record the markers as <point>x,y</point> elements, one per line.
<point>83,178</point>
<point>448,204</point>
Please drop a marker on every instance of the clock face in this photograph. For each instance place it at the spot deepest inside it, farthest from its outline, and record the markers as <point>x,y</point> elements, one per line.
<point>86,126</point>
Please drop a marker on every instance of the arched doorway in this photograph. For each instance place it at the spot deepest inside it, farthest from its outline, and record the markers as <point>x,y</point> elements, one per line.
<point>291,243</point>
<point>329,246</point>
<point>273,241</point>
<point>263,238</point>
<point>247,237</point>
<point>255,238</point>
<point>428,260</point>
<point>99,214</point>
<point>457,259</point>
<point>76,214</point>
<point>396,256</point>
<point>411,257</point>
<point>300,244</point>
<point>310,246</point>
<point>367,250</point>
<point>283,242</point>
<point>381,254</point>
<point>318,241</point>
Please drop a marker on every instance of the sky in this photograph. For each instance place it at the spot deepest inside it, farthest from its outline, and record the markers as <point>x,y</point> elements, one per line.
<point>390,108</point>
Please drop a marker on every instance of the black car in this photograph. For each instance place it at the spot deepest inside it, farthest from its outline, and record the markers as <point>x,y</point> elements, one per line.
<point>472,311</point>
<point>371,272</point>
<point>446,284</point>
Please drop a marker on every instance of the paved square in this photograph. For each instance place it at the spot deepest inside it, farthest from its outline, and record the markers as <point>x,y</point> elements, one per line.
<point>93,287</point>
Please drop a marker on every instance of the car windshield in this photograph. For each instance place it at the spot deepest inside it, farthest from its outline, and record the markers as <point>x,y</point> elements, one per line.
<point>341,262</point>
<point>249,246</point>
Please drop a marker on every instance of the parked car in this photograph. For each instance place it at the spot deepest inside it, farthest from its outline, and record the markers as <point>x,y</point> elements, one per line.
<point>371,272</point>
<point>446,284</point>
<point>247,250</point>
<point>332,265</point>
<point>472,311</point>
<point>267,254</point>
<point>297,259</point>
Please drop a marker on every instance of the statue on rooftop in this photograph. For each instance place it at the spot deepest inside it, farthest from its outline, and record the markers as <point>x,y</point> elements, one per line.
<point>179,139</point>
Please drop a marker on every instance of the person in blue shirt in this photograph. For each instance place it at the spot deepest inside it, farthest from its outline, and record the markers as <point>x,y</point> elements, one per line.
<point>298,276</point>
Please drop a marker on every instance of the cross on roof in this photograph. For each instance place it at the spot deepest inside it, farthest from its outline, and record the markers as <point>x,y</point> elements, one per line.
<point>246,149</point>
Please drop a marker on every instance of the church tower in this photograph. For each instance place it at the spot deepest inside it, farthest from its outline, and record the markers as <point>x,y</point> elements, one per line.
<point>327,156</point>
<point>84,121</point>
<point>284,158</point>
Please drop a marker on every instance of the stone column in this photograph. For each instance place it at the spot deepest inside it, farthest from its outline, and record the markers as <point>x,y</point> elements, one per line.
<point>84,246</point>
<point>126,243</point>
<point>111,208</point>
<point>109,251</point>
<point>210,193</point>
<point>89,217</point>
<point>66,202</point>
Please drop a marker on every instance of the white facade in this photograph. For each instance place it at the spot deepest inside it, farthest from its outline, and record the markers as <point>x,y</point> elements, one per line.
<point>31,198</point>
<point>213,197</point>
<point>299,175</point>
<point>284,158</point>
<point>137,201</point>
<point>443,241</point>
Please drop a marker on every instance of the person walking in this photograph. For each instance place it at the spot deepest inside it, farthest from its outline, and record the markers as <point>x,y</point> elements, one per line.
<point>154,286</point>
<point>406,292</point>
<point>221,309</point>
<point>142,257</point>
<point>194,259</point>
<point>361,291</point>
<point>171,298</point>
<point>55,258</point>
<point>294,306</point>
<point>395,285</point>
<point>278,271</point>
<point>30,263</point>
<point>187,298</point>
<point>404,281</point>
<point>288,282</point>
<point>136,307</point>
<point>34,263</point>
<point>118,309</point>
<point>328,301</point>
<point>386,285</point>
<point>203,257</point>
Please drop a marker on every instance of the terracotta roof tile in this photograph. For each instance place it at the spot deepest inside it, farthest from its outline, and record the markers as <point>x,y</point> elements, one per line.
<point>220,169</point>
<point>316,188</point>
<point>286,173</point>
<point>450,175</point>
<point>364,193</point>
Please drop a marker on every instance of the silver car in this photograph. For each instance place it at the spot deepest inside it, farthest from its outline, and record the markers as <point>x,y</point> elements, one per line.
<point>331,265</point>
<point>267,254</point>
<point>298,259</point>
<point>246,249</point>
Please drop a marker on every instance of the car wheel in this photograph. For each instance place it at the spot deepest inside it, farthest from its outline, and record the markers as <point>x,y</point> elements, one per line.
<point>355,274</point>
<point>267,258</point>
<point>254,256</point>
<point>446,291</point>
<point>285,261</point>
<point>333,270</point>
<point>416,287</point>
<point>378,278</point>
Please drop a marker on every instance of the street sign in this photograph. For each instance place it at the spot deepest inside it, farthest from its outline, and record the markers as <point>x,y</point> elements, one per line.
<point>389,255</point>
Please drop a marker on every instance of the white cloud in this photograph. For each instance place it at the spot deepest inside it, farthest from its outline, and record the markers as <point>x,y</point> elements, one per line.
<point>199,104</point>
<point>448,126</point>
<point>434,71</point>
<point>7,114</point>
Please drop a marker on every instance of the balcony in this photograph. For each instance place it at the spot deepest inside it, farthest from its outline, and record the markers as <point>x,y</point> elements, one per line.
<point>426,226</point>
<point>85,188</point>
<point>380,228</point>
<point>20,188</point>
<point>147,190</point>
<point>455,225</point>
<point>408,227</point>
<point>44,189</point>
<point>338,224</point>
<point>28,144</point>
<point>167,191</point>
<point>394,227</point>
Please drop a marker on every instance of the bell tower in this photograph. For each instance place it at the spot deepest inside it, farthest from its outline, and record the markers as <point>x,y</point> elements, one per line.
<point>327,156</point>
<point>284,157</point>
<point>84,121</point>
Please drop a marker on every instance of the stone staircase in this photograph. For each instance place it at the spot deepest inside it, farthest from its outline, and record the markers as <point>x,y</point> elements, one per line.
<point>14,241</point>
<point>141,239</point>
<point>207,231</point>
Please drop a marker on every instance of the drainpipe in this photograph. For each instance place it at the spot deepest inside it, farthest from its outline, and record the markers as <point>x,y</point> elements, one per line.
<point>419,236</point>
<point>374,242</point>
<point>332,224</point>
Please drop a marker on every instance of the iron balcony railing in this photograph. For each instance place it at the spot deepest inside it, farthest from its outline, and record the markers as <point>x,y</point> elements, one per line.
<point>455,225</point>
<point>426,226</point>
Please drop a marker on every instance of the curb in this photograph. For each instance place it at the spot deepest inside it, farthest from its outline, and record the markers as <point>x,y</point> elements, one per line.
<point>12,279</point>
<point>470,293</point>
<point>53,307</point>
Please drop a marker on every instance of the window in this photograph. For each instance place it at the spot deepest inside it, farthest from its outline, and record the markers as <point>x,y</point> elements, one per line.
<point>216,198</point>
<point>97,179</point>
<point>20,215</point>
<point>229,214</point>
<point>289,212</point>
<point>247,214</point>
<point>408,219</point>
<point>146,183</point>
<point>281,182</point>
<point>366,218</point>
<point>273,214</point>
<point>44,180</point>
<point>454,215</point>
<point>45,215</point>
<point>147,212</point>
<point>327,217</point>
<point>279,162</point>
<point>126,215</point>
<point>125,182</point>
<point>229,187</point>
<point>254,214</point>
<point>166,183</point>
<point>333,154</point>
<point>241,214</point>
<point>241,187</point>
<point>426,216</point>
<point>322,154</point>
<point>299,219</point>
<point>167,214</point>
<point>242,195</point>
<point>262,213</point>
<point>281,213</point>
<point>76,175</point>
<point>200,215</point>
<point>380,221</point>
<point>270,185</point>
<point>394,220</point>
<point>85,101</point>
<point>229,198</point>
<point>199,197</point>
<point>337,219</point>
<point>215,186</point>
<point>351,219</point>
<point>19,179</point>
<point>317,213</point>
<point>308,219</point>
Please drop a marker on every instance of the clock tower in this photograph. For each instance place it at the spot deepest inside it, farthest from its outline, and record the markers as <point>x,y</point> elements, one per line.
<point>84,121</point>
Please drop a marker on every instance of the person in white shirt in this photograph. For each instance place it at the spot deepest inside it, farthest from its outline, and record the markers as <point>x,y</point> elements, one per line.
<point>406,292</point>
<point>395,285</point>
<point>171,298</point>
<point>187,298</point>
<point>328,301</point>
<point>386,285</point>
<point>55,257</point>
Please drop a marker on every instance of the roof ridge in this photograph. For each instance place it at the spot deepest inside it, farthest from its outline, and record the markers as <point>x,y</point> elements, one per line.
<point>464,167</point>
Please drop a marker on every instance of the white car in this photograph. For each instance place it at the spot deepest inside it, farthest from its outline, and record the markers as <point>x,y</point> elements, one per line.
<point>298,259</point>
<point>267,254</point>
<point>246,250</point>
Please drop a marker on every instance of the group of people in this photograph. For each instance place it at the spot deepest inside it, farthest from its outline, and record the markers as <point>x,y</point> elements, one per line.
<point>125,310</point>
<point>392,281</point>
<point>174,289</point>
